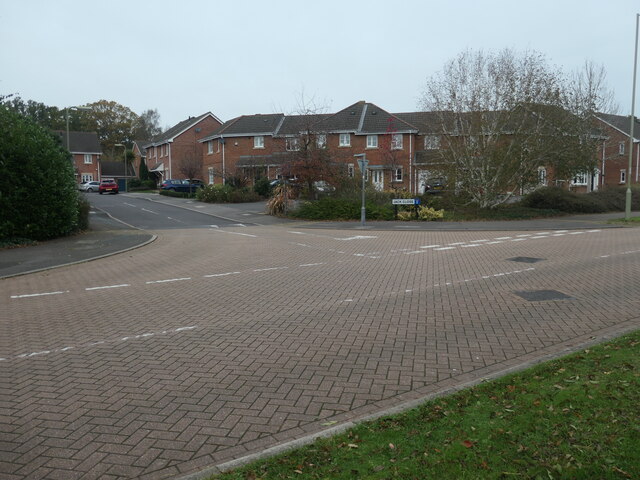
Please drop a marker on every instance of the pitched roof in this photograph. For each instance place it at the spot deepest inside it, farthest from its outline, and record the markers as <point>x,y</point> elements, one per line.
<point>426,122</point>
<point>177,129</point>
<point>295,124</point>
<point>621,123</point>
<point>141,146</point>
<point>364,118</point>
<point>116,169</point>
<point>80,142</point>
<point>247,125</point>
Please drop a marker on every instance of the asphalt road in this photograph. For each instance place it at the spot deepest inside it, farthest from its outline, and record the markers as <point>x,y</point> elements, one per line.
<point>211,344</point>
<point>139,212</point>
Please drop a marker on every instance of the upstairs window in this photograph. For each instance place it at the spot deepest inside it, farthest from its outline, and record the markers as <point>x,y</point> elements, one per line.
<point>345,140</point>
<point>397,174</point>
<point>621,148</point>
<point>321,141</point>
<point>396,141</point>
<point>88,159</point>
<point>210,147</point>
<point>293,144</point>
<point>431,142</point>
<point>258,142</point>
<point>372,141</point>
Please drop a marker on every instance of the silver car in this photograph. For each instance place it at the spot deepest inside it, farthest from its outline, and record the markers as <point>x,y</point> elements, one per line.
<point>89,186</point>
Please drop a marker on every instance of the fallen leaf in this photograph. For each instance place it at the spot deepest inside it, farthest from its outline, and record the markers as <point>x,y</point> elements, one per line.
<point>392,446</point>
<point>511,388</point>
<point>352,445</point>
<point>298,471</point>
<point>468,443</point>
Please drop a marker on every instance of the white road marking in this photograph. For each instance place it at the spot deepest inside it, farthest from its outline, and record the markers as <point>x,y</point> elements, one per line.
<point>269,269</point>
<point>357,237</point>
<point>524,235</point>
<point>518,240</point>
<point>445,248</point>
<point>39,294</point>
<point>108,286</point>
<point>502,238</point>
<point>430,246</point>
<point>221,274</point>
<point>214,226</point>
<point>150,211</point>
<point>576,233</point>
<point>238,233</point>
<point>129,204</point>
<point>169,280</point>
<point>538,236</point>
<point>456,243</point>
<point>311,264</point>
<point>494,242</point>
<point>471,245</point>
<point>101,342</point>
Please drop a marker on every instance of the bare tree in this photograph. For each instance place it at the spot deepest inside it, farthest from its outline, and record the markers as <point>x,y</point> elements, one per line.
<point>502,116</point>
<point>190,166</point>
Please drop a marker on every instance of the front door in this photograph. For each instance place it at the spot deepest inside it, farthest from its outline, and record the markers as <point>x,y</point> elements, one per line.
<point>377,177</point>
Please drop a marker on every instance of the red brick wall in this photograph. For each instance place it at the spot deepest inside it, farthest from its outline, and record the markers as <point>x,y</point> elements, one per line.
<point>90,168</point>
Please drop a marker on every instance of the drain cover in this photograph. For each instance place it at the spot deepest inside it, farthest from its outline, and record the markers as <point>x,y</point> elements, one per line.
<point>526,259</point>
<point>542,295</point>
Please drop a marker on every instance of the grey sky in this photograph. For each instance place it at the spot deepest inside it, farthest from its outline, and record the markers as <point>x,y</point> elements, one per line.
<point>242,57</point>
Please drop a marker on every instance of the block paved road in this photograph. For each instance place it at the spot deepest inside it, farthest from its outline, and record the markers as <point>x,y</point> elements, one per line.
<point>212,344</point>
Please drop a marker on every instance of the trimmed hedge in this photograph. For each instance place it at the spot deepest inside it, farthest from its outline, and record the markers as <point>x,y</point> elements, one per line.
<point>332,208</point>
<point>227,194</point>
<point>38,197</point>
<point>606,200</point>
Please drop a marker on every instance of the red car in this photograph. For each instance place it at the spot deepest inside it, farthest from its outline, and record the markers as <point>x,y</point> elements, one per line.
<point>108,185</point>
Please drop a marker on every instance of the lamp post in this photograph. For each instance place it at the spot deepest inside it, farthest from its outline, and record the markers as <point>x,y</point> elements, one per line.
<point>67,112</point>
<point>627,207</point>
<point>362,162</point>
<point>124,162</point>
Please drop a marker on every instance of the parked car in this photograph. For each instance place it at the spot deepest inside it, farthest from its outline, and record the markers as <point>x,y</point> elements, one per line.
<point>89,186</point>
<point>175,185</point>
<point>435,185</point>
<point>108,185</point>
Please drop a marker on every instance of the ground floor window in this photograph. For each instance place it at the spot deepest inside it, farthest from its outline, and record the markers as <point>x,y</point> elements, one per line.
<point>211,175</point>
<point>397,174</point>
<point>623,176</point>
<point>542,175</point>
<point>580,179</point>
<point>87,177</point>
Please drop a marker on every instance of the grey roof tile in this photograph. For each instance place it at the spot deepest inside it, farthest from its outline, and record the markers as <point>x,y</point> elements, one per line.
<point>622,123</point>
<point>80,142</point>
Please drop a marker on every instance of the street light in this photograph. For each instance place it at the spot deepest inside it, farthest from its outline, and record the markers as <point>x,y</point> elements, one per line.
<point>362,162</point>
<point>67,113</point>
<point>627,207</point>
<point>124,162</point>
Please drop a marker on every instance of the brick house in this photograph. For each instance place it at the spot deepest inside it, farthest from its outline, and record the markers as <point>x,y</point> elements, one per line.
<point>613,152</point>
<point>267,145</point>
<point>85,150</point>
<point>171,151</point>
<point>139,155</point>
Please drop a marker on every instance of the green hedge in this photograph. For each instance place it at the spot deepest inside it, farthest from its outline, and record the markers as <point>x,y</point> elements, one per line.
<point>38,197</point>
<point>332,208</point>
<point>565,201</point>
<point>227,194</point>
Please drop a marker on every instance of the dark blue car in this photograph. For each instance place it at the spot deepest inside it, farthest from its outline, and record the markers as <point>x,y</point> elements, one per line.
<point>181,185</point>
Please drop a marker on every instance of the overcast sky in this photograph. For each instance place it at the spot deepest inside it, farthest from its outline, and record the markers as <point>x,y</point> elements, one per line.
<point>237,57</point>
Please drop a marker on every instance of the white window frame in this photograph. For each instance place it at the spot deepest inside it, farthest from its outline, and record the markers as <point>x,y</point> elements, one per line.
<point>258,141</point>
<point>209,147</point>
<point>345,140</point>
<point>87,177</point>
<point>396,141</point>
<point>432,142</point>
<point>88,159</point>
<point>321,140</point>
<point>292,144</point>
<point>580,179</point>
<point>621,148</point>
<point>372,141</point>
<point>351,170</point>
<point>542,176</point>
<point>396,174</point>
<point>623,175</point>
<point>211,173</point>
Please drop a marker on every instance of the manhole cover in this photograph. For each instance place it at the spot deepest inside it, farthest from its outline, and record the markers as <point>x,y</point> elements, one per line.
<point>526,259</point>
<point>542,295</point>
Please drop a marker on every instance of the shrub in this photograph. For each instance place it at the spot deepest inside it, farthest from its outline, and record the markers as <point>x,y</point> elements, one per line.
<point>428,213</point>
<point>559,199</point>
<point>332,208</point>
<point>38,197</point>
<point>134,183</point>
<point>171,193</point>
<point>83,213</point>
<point>262,187</point>
<point>226,194</point>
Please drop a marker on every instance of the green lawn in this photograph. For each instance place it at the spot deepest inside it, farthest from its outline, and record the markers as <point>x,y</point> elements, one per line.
<point>577,417</point>
<point>633,221</point>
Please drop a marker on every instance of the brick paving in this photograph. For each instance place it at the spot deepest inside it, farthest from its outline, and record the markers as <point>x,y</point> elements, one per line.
<point>211,345</point>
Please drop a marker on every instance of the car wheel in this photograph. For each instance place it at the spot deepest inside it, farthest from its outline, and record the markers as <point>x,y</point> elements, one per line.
<point>90,190</point>
<point>100,193</point>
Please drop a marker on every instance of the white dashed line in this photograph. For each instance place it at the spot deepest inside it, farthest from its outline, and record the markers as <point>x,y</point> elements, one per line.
<point>108,286</point>
<point>220,274</point>
<point>169,280</point>
<point>269,269</point>
<point>150,211</point>
<point>311,264</point>
<point>430,246</point>
<point>445,248</point>
<point>39,294</point>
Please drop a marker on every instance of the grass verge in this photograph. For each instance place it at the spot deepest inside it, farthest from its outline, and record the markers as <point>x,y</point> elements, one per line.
<point>575,417</point>
<point>632,222</point>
